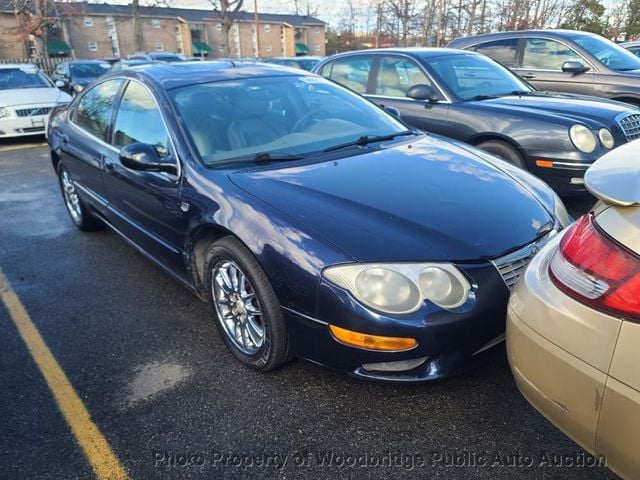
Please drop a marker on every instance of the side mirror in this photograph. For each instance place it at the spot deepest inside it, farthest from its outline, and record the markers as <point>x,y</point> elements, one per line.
<point>144,157</point>
<point>393,111</point>
<point>60,84</point>
<point>574,67</point>
<point>422,92</point>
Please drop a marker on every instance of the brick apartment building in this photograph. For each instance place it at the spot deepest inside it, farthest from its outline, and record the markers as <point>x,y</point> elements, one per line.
<point>99,30</point>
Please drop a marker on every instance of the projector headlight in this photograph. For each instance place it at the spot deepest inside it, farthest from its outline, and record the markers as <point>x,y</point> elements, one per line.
<point>606,139</point>
<point>3,112</point>
<point>402,288</point>
<point>583,138</point>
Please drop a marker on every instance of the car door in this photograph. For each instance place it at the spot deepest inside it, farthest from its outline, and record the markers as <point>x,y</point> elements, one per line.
<point>393,76</point>
<point>145,206</point>
<point>84,145</point>
<point>541,65</point>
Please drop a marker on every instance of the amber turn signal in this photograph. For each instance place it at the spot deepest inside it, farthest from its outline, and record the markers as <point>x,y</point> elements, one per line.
<point>372,342</point>
<point>544,163</point>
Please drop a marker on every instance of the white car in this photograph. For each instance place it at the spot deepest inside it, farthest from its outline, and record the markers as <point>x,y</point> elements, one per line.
<point>27,96</point>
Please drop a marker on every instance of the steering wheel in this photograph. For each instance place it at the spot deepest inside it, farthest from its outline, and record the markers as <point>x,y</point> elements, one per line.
<point>309,119</point>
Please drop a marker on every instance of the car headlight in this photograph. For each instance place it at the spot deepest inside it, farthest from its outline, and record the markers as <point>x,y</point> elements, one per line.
<point>3,112</point>
<point>583,138</point>
<point>78,88</point>
<point>402,288</point>
<point>560,211</point>
<point>606,139</point>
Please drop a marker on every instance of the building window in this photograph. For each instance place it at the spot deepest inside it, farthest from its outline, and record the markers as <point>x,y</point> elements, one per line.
<point>93,46</point>
<point>219,27</point>
<point>267,28</point>
<point>155,23</point>
<point>159,47</point>
<point>221,49</point>
<point>88,21</point>
<point>317,48</point>
<point>269,48</point>
<point>317,30</point>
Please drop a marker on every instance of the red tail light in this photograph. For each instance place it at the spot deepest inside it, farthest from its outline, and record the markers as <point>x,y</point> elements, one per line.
<point>595,270</point>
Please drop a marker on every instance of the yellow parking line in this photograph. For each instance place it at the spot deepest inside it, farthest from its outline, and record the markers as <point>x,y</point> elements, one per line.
<point>95,447</point>
<point>13,148</point>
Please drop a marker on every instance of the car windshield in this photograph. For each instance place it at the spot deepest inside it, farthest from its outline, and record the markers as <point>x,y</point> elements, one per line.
<point>613,56</point>
<point>308,64</point>
<point>88,70</point>
<point>244,119</point>
<point>472,77</point>
<point>167,58</point>
<point>11,78</point>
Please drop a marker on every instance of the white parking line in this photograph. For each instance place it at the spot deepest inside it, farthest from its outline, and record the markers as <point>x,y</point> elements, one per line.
<point>22,146</point>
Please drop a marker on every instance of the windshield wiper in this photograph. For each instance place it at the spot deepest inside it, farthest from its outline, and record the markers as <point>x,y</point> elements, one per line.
<point>260,157</point>
<point>482,97</point>
<point>367,139</point>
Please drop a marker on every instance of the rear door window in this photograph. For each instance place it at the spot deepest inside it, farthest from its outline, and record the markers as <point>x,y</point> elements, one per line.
<point>95,108</point>
<point>351,72</point>
<point>504,51</point>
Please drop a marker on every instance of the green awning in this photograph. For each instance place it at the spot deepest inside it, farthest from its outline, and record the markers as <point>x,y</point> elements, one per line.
<point>302,49</point>
<point>201,48</point>
<point>58,47</point>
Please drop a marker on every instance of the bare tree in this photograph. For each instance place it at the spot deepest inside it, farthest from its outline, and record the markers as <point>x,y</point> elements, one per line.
<point>227,10</point>
<point>404,11</point>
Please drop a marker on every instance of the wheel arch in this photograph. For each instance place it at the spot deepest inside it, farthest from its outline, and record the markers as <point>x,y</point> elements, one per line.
<point>55,160</point>
<point>198,241</point>
<point>496,137</point>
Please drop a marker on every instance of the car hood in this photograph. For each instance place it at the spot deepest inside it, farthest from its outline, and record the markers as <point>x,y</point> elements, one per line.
<point>571,107</point>
<point>32,96</point>
<point>422,200</point>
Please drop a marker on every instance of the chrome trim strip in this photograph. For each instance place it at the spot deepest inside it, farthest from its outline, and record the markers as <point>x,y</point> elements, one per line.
<point>290,310</point>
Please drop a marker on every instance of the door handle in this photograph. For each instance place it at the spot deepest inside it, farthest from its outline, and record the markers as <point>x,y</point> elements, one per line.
<point>65,138</point>
<point>528,76</point>
<point>107,164</point>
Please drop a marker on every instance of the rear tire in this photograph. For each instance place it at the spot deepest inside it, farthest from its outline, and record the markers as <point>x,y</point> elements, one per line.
<point>504,151</point>
<point>80,214</point>
<point>246,311</point>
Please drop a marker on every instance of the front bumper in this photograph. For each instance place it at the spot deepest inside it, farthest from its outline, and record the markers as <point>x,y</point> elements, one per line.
<point>22,126</point>
<point>449,342</point>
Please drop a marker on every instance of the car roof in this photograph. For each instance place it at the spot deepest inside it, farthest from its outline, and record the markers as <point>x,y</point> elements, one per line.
<point>422,52</point>
<point>175,75</point>
<point>559,33</point>
<point>18,65</point>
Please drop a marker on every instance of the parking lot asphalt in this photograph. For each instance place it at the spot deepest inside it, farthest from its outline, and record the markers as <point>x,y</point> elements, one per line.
<point>144,357</point>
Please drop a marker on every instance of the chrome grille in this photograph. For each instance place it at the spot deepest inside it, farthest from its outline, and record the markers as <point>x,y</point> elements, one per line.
<point>32,112</point>
<point>631,126</point>
<point>513,265</point>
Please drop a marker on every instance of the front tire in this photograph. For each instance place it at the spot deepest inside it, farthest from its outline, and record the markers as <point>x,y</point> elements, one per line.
<point>505,152</point>
<point>247,313</point>
<point>80,214</point>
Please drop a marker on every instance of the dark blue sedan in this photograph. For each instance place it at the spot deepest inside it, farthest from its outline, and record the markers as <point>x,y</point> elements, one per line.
<point>315,224</point>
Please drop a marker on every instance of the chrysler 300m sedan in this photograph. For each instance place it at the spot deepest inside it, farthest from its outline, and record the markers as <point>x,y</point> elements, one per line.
<point>469,97</point>
<point>315,224</point>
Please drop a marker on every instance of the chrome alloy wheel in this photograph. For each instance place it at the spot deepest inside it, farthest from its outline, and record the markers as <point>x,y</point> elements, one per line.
<point>237,307</point>
<point>71,198</point>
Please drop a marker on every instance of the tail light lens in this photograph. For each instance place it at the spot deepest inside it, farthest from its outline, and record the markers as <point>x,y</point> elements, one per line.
<point>597,271</point>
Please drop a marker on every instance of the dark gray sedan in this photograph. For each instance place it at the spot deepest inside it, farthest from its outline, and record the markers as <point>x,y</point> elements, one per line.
<point>469,97</point>
<point>564,61</point>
